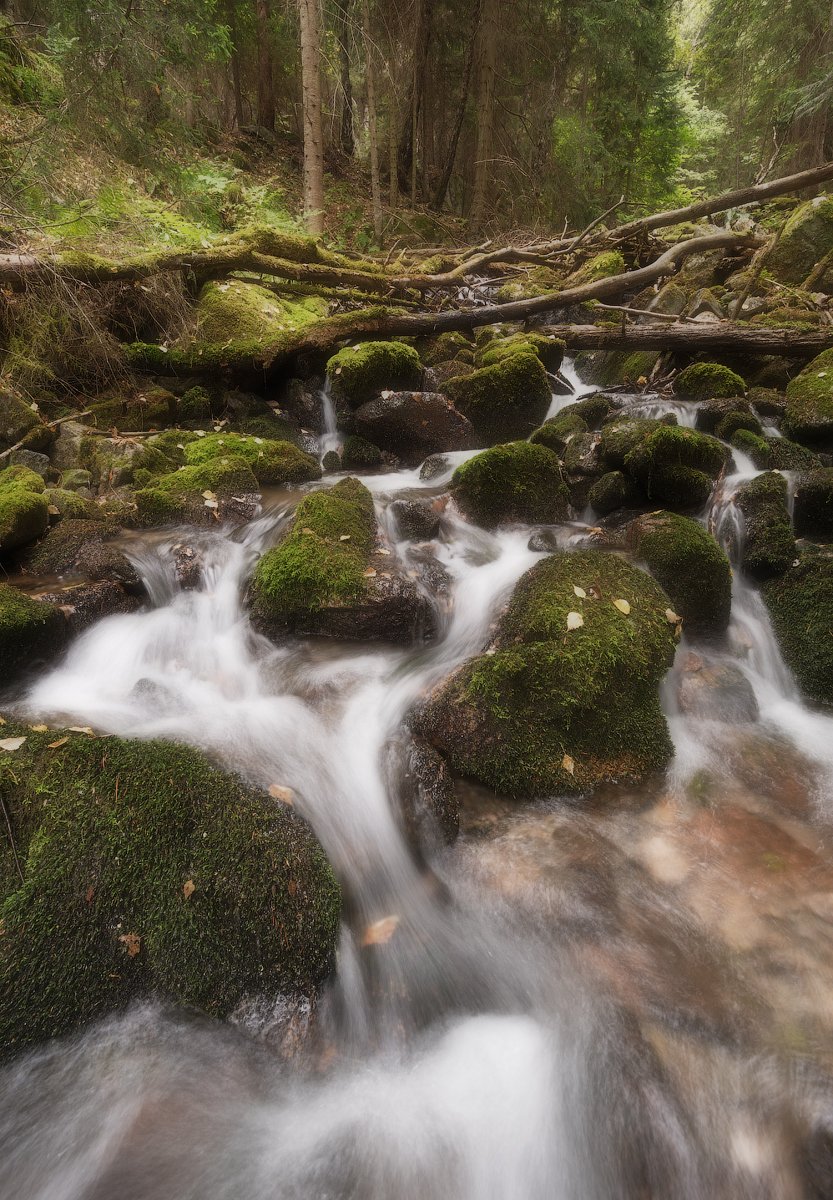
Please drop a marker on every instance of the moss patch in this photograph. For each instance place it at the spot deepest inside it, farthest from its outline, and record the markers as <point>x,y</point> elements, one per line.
<point>270,462</point>
<point>809,412</point>
<point>677,465</point>
<point>358,454</point>
<point>110,832</point>
<point>24,509</point>
<point>29,631</point>
<point>600,266</point>
<point>555,710</point>
<point>614,490</point>
<point>800,603</point>
<point>238,312</point>
<point>178,495</point>
<point>708,381</point>
<point>807,237</point>
<point>515,482</point>
<point>769,546</point>
<point>549,350</point>
<point>358,373</point>
<point>688,563</point>
<point>504,401</point>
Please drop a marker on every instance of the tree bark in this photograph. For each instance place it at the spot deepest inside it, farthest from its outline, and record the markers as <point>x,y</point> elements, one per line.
<point>695,338</point>
<point>485,113</point>
<point>407,148</point>
<point>313,134</point>
<point>375,185</point>
<point>441,189</point>
<point>346,140</point>
<point>265,79</point>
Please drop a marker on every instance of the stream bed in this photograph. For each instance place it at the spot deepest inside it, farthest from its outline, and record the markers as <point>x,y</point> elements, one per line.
<point>628,996</point>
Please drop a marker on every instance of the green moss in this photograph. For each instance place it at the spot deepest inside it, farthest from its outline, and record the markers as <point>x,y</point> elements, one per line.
<point>756,447</point>
<point>515,482</point>
<point>708,381</point>
<point>733,421</point>
<point>600,266</point>
<point>549,350</point>
<point>676,465</point>
<point>552,710</point>
<point>70,504</point>
<point>505,401</point>
<point>154,408</point>
<point>611,367</point>
<point>24,510</point>
<point>769,544</point>
<point>358,454</point>
<point>809,412</point>
<point>800,603</point>
<point>622,435</point>
<point>359,373</point>
<point>807,237</point>
<point>270,462</point>
<point>688,563</point>
<point>16,419</point>
<point>802,320</point>
<point>195,406</point>
<point>178,495</point>
<point>233,311</point>
<point>448,346</point>
<point>322,559</point>
<point>556,433</point>
<point>110,832</point>
<point>814,504</point>
<point>614,490</point>
<point>29,630</point>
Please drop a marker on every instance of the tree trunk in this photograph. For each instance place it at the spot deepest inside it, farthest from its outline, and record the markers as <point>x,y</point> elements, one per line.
<point>445,179</point>
<point>265,80</point>
<point>407,142</point>
<point>695,338</point>
<point>346,140</point>
<point>485,113</point>
<point>313,134</point>
<point>237,90</point>
<point>393,182</point>
<point>375,185</point>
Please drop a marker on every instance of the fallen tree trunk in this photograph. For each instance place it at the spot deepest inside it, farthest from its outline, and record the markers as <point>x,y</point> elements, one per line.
<point>694,338</point>
<point>325,336</point>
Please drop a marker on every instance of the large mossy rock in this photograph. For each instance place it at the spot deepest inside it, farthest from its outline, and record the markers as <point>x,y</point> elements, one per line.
<point>413,425</point>
<point>18,421</point>
<point>550,350</point>
<point>800,603</point>
<point>813,510</point>
<point>621,434</point>
<point>516,482</point>
<point>809,413</point>
<point>148,872</point>
<point>774,453</point>
<point>270,461</point>
<point>768,543</point>
<point>677,466</point>
<point>807,237</point>
<point>613,490</point>
<point>328,576</point>
<point>687,562</point>
<point>30,632</point>
<point>196,493</point>
<point>708,381</point>
<point>239,313</point>
<point>553,709</point>
<point>24,509</point>
<point>359,373</point>
<point>608,368</point>
<point>505,401</point>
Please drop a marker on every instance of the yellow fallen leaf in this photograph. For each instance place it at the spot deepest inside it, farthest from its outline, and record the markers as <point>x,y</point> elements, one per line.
<point>580,592</point>
<point>671,617</point>
<point>2,720</point>
<point>283,794</point>
<point>39,728</point>
<point>568,764</point>
<point>345,537</point>
<point>82,729</point>
<point>387,552</point>
<point>574,620</point>
<point>622,605</point>
<point>11,743</point>
<point>132,943</point>
<point>188,888</point>
<point>211,503</point>
<point>60,742</point>
<point>209,495</point>
<point>369,573</point>
<point>380,932</point>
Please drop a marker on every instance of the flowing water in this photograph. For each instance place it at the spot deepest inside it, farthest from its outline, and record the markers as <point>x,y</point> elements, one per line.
<point>629,997</point>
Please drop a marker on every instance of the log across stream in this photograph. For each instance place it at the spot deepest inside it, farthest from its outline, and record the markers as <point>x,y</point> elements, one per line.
<point>577,1001</point>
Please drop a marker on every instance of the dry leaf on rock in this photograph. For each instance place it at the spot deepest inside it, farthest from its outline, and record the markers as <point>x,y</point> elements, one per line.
<point>283,794</point>
<point>580,592</point>
<point>380,932</point>
<point>60,742</point>
<point>188,888</point>
<point>11,743</point>
<point>622,605</point>
<point>132,943</point>
<point>574,620</point>
<point>568,764</point>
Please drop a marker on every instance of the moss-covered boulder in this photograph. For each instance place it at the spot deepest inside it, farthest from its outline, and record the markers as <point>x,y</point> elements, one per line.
<point>446,347</point>
<point>800,603</point>
<point>688,563</point>
<point>148,872</point>
<point>556,433</point>
<point>19,421</point>
<point>269,461</point>
<point>807,237</point>
<point>80,547</point>
<point>328,576</point>
<point>769,543</point>
<point>413,425</point>
<point>221,486</point>
<point>63,504</point>
<point>612,367</point>
<point>152,408</point>
<point>708,381</point>
<point>774,453</point>
<point>550,350</point>
<point>359,373</point>
<point>24,509</point>
<point>622,434</point>
<point>600,266</point>
<point>722,416</point>
<point>232,311</point>
<point>358,454</point>
<point>567,696</point>
<point>504,401</point>
<point>808,416</point>
<point>813,509</point>
<point>613,490</point>
<point>515,482</point>
<point>30,632</point>
<point>677,466</point>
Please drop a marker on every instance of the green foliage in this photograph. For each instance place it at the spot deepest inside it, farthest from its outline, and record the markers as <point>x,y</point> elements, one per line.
<point>110,832</point>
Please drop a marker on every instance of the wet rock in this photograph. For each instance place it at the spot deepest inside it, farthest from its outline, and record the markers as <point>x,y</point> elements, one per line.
<point>504,401</point>
<point>433,467</point>
<point>188,566</point>
<point>768,402</point>
<point>613,490</point>
<point>433,575</point>
<point>358,454</point>
<point>429,804</point>
<point>677,466</point>
<point>80,547</point>
<point>716,691</point>
<point>416,520</point>
<point>84,604</point>
<point>567,695</point>
<point>31,632</point>
<point>581,455</point>
<point>768,546</point>
<point>413,424</point>
<point>813,512</point>
<point>710,414</point>
<point>439,374</point>
<point>800,603</point>
<point>331,462</point>
<point>32,460</point>
<point>544,541</point>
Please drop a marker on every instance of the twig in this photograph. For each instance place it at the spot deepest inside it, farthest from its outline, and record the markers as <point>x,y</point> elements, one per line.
<point>50,425</point>
<point>641,312</point>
